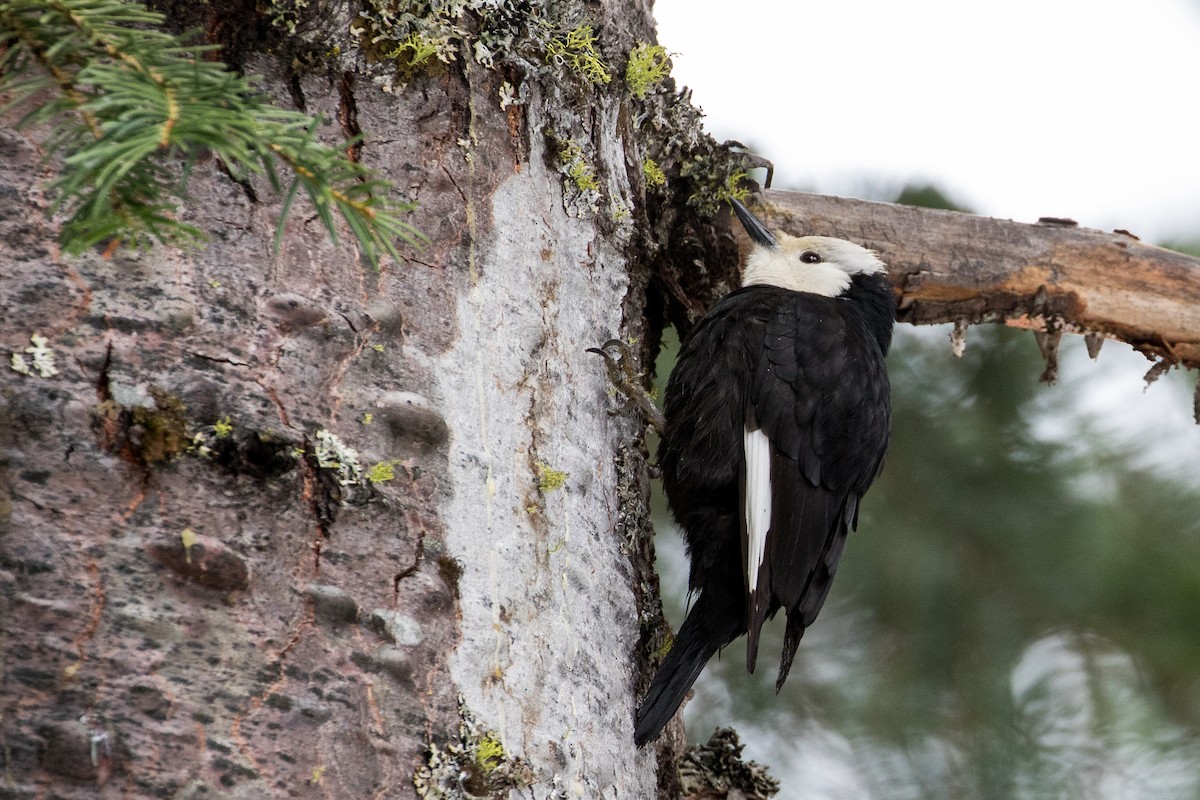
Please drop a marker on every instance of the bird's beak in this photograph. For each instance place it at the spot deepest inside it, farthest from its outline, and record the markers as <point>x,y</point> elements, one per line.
<point>753,225</point>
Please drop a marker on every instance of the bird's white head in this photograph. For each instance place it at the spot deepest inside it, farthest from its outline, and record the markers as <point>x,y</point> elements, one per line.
<point>817,264</point>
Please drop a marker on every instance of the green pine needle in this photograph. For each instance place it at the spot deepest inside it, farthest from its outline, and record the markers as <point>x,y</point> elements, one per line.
<point>133,107</point>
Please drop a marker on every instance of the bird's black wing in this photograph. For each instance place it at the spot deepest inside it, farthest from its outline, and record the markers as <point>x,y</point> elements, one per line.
<point>820,395</point>
<point>705,406</point>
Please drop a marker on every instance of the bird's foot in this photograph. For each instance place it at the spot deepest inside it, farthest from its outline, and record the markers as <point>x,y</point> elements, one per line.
<point>753,160</point>
<point>625,375</point>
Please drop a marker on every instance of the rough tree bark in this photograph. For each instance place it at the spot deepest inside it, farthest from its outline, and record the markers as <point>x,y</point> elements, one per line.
<point>197,601</point>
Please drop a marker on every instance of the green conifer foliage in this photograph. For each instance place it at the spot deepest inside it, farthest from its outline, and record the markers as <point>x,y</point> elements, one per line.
<point>133,107</point>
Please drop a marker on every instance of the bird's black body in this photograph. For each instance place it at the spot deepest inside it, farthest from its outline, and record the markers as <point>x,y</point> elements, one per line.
<point>808,371</point>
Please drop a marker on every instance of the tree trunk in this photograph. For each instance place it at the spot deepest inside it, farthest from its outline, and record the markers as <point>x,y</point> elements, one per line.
<point>281,526</point>
<point>204,597</point>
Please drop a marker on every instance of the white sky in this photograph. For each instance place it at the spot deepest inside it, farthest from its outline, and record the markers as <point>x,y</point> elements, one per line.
<point>1088,109</point>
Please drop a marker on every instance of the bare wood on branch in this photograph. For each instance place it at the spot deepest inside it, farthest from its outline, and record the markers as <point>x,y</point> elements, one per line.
<point>949,266</point>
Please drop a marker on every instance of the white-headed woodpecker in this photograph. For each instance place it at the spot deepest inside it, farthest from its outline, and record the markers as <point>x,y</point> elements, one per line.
<point>777,420</point>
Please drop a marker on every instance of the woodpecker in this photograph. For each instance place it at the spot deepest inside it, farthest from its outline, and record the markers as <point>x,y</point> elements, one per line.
<point>777,420</point>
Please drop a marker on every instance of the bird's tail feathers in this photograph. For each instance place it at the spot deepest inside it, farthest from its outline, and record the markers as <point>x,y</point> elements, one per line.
<point>756,614</point>
<point>702,634</point>
<point>791,640</point>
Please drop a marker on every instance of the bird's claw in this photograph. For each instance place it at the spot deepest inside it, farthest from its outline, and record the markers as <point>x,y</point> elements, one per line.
<point>753,160</point>
<point>623,374</point>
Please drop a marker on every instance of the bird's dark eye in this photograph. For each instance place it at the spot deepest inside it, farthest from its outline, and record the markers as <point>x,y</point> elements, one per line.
<point>809,257</point>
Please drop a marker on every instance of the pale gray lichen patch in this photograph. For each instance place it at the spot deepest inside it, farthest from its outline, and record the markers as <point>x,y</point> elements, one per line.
<point>716,769</point>
<point>339,458</point>
<point>41,359</point>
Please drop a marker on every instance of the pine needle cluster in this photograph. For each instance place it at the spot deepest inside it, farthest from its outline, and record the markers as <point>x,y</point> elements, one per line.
<point>134,107</point>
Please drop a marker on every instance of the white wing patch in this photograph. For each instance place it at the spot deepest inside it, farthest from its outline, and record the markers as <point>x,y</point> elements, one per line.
<point>757,450</point>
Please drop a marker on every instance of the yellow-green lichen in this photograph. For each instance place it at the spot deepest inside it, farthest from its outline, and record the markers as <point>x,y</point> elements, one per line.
<point>700,170</point>
<point>576,50</point>
<point>735,188</point>
<point>475,764</point>
<point>576,167</point>
<point>581,185</point>
<point>382,472</point>
<point>418,51</point>
<point>187,538</point>
<point>648,65</point>
<point>667,643</point>
<point>550,479</point>
<point>417,37</point>
<point>584,177</point>
<point>653,173</point>
<point>489,754</point>
<point>718,178</point>
<point>222,428</point>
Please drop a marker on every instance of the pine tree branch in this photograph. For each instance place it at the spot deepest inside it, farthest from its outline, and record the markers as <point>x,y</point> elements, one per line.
<point>135,107</point>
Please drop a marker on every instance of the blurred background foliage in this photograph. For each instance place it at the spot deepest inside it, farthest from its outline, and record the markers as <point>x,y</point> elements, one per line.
<point>1016,616</point>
